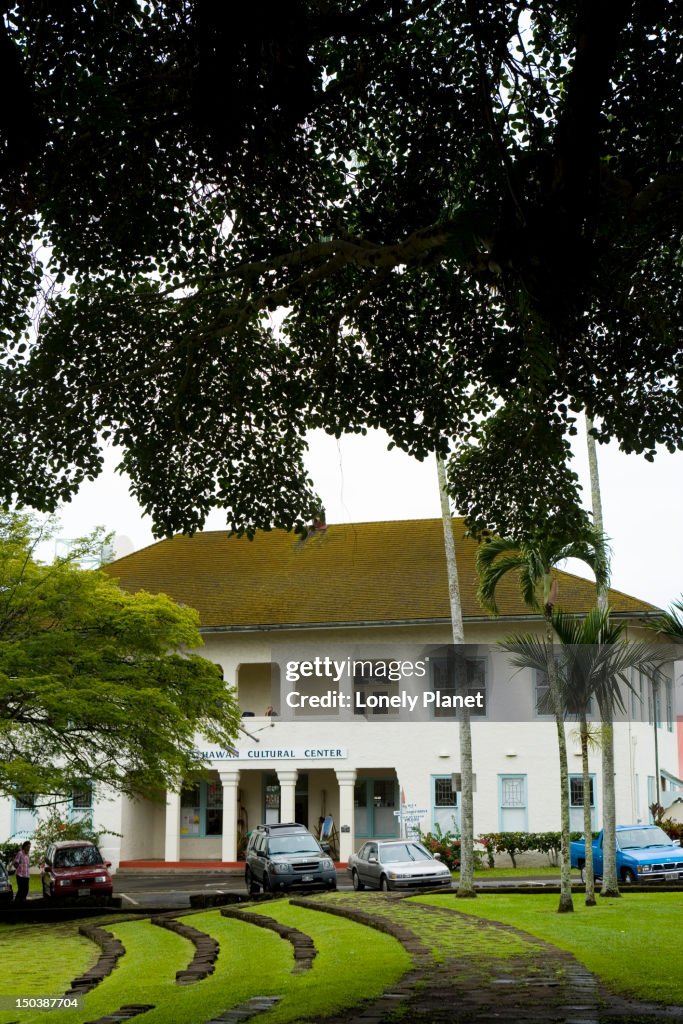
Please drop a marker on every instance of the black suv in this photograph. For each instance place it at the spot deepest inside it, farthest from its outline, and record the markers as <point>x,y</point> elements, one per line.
<point>286,856</point>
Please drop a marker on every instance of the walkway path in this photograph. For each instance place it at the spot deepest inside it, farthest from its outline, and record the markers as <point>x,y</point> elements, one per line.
<point>471,971</point>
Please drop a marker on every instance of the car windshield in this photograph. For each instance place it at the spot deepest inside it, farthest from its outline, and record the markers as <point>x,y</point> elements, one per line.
<point>293,844</point>
<point>403,851</point>
<point>77,857</point>
<point>640,838</point>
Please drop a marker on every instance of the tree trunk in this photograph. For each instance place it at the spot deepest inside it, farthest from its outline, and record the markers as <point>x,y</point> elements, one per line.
<point>566,904</point>
<point>610,882</point>
<point>587,820</point>
<point>466,884</point>
<point>596,499</point>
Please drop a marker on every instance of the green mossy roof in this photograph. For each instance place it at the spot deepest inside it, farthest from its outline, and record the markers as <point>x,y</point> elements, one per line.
<point>360,572</point>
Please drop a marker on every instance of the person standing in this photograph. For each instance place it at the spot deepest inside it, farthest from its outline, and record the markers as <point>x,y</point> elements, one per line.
<point>21,863</point>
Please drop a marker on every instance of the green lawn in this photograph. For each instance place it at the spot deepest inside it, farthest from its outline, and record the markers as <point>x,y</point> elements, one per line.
<point>41,960</point>
<point>510,872</point>
<point>634,944</point>
<point>354,962</point>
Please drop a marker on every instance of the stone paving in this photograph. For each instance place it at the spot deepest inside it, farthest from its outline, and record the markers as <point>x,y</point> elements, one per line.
<point>492,973</point>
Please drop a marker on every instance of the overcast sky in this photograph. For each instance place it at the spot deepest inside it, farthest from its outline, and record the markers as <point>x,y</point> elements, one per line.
<point>360,481</point>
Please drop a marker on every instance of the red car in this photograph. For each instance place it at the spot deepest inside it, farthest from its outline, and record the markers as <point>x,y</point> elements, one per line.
<point>76,868</point>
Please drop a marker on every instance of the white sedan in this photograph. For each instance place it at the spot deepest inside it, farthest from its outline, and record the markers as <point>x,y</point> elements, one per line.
<point>396,864</point>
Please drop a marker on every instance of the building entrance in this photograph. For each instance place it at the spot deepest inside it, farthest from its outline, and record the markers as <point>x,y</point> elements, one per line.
<point>301,799</point>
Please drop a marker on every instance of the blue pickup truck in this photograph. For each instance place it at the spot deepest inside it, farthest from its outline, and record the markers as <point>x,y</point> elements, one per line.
<point>644,853</point>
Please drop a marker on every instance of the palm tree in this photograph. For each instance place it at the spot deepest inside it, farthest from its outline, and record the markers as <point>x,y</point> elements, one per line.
<point>595,660</point>
<point>466,883</point>
<point>670,623</point>
<point>536,561</point>
<point>596,499</point>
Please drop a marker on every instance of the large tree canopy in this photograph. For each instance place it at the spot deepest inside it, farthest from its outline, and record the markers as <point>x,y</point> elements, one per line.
<point>469,212</point>
<point>93,682</point>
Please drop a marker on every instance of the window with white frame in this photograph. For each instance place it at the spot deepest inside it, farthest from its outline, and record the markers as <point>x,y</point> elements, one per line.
<point>669,699</point>
<point>636,695</point>
<point>444,804</point>
<point>576,801</point>
<point>651,702</point>
<point>81,803</point>
<point>512,791</point>
<point>542,706</point>
<point>378,680</point>
<point>24,815</point>
<point>443,682</point>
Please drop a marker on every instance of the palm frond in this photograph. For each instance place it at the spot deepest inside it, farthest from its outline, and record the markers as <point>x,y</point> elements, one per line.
<point>670,623</point>
<point>528,583</point>
<point>491,575</point>
<point>595,553</point>
<point>527,651</point>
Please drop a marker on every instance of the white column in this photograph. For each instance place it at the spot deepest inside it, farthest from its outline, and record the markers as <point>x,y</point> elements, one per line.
<point>172,830</point>
<point>347,840</point>
<point>287,779</point>
<point>230,782</point>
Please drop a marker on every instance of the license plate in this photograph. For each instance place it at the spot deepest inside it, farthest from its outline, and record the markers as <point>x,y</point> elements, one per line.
<point>670,876</point>
<point>84,892</point>
<point>307,878</point>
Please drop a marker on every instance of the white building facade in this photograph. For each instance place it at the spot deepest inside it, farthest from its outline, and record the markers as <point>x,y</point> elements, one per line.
<point>369,598</point>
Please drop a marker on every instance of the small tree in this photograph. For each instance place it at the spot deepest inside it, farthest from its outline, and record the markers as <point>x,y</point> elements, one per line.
<point>96,683</point>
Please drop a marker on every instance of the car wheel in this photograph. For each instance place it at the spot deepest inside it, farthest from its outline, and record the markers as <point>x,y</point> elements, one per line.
<point>357,884</point>
<point>628,876</point>
<point>251,884</point>
<point>384,883</point>
<point>266,884</point>
<point>582,869</point>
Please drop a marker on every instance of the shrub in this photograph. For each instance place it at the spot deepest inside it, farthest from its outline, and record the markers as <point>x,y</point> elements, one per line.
<point>488,841</point>
<point>54,828</point>
<point>447,845</point>
<point>8,849</point>
<point>674,829</point>
<point>514,843</point>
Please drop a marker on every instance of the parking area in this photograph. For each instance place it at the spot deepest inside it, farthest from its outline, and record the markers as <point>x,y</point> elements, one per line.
<point>173,888</point>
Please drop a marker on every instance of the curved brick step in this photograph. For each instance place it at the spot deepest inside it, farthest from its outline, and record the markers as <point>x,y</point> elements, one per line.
<point>203,962</point>
<point>123,1013</point>
<point>112,949</point>
<point>408,939</point>
<point>304,947</point>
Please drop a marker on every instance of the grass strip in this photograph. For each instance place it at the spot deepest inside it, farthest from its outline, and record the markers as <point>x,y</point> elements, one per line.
<point>539,871</point>
<point>41,960</point>
<point>633,944</point>
<point>353,963</point>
